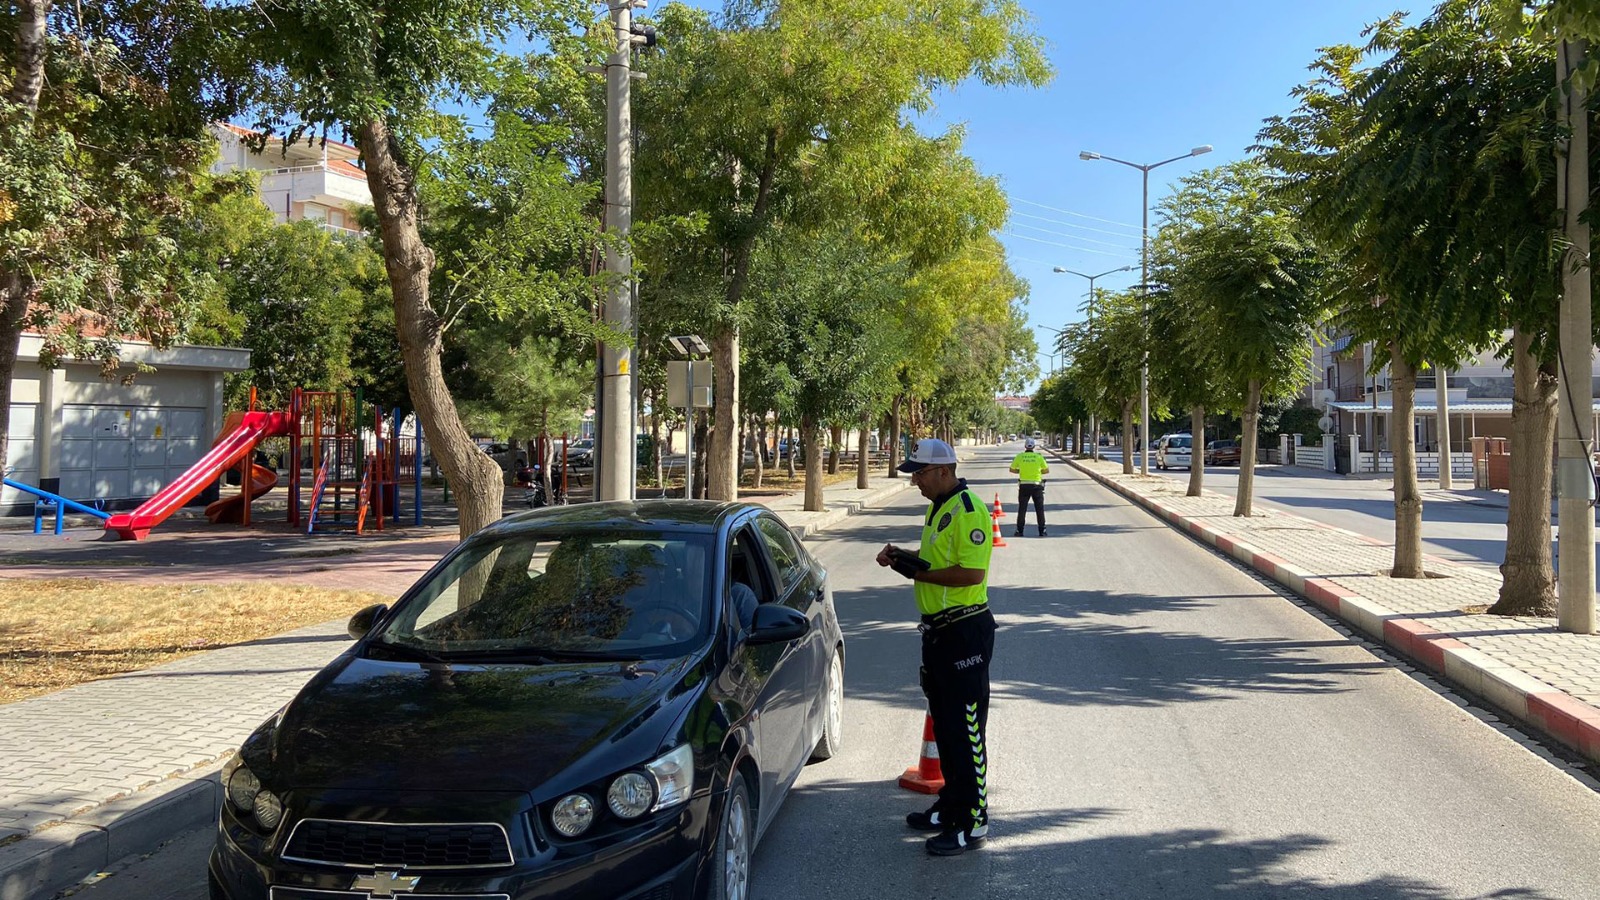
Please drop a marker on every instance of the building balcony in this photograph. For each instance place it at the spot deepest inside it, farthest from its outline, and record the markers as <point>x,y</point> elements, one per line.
<point>1348,393</point>
<point>329,185</point>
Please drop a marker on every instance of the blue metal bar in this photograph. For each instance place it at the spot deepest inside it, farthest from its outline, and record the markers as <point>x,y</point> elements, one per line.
<point>416,467</point>
<point>74,505</point>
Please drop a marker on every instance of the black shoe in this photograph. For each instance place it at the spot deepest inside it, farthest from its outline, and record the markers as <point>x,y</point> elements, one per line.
<point>926,821</point>
<point>1043,533</point>
<point>957,841</point>
<point>1018,534</point>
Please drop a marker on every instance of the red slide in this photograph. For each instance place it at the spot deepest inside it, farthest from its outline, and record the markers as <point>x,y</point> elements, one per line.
<point>234,445</point>
<point>231,507</point>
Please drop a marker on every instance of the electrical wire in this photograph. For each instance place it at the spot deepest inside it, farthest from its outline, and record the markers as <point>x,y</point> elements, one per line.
<point>1076,214</point>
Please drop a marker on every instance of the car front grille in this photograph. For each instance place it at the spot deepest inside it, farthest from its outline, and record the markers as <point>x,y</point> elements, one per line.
<point>280,892</point>
<point>466,845</point>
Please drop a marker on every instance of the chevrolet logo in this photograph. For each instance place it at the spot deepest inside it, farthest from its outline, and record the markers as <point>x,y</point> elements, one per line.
<point>385,883</point>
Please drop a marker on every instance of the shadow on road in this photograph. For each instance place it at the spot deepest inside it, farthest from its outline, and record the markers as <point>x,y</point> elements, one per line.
<point>1068,647</point>
<point>834,831</point>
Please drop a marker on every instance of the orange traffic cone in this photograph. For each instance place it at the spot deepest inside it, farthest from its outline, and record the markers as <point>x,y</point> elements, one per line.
<point>997,515</point>
<point>925,777</point>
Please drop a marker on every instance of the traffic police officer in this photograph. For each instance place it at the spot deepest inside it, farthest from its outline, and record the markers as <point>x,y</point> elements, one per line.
<point>950,571</point>
<point>1030,468</point>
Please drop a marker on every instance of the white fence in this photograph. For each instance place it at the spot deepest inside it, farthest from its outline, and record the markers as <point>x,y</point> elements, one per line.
<point>1427,464</point>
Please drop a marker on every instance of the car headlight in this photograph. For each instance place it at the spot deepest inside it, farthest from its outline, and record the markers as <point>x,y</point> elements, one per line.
<point>572,815</point>
<point>674,776</point>
<point>631,795</point>
<point>243,786</point>
<point>268,809</point>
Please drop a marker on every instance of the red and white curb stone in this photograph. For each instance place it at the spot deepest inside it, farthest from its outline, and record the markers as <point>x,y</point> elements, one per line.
<point>1550,711</point>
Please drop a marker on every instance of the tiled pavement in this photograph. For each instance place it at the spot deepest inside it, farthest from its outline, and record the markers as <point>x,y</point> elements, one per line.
<point>103,770</point>
<point>1547,679</point>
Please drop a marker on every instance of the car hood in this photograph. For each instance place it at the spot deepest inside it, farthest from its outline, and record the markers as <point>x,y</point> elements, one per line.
<point>366,724</point>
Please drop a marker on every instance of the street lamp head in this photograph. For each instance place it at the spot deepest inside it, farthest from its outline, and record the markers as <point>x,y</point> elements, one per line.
<point>1088,154</point>
<point>1059,269</point>
<point>1200,150</point>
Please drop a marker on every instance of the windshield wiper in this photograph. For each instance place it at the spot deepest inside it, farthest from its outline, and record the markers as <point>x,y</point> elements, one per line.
<point>406,651</point>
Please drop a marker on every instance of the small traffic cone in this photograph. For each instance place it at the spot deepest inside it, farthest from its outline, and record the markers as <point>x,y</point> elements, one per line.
<point>925,777</point>
<point>997,515</point>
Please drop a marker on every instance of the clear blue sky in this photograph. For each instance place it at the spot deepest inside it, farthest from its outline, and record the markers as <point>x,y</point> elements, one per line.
<point>1142,80</point>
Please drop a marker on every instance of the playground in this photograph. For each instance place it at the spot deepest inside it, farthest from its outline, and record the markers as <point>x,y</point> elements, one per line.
<point>346,462</point>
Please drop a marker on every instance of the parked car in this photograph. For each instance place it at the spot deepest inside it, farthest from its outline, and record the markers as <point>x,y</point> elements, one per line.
<point>1174,451</point>
<point>580,453</point>
<point>1222,453</point>
<point>502,454</point>
<point>605,700</point>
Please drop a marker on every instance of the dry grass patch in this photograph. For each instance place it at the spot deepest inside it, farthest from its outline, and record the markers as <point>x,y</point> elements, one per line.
<point>58,632</point>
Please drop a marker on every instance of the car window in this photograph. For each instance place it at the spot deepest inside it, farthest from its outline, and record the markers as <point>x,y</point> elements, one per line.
<point>1182,443</point>
<point>786,552</point>
<point>626,594</point>
<point>748,567</point>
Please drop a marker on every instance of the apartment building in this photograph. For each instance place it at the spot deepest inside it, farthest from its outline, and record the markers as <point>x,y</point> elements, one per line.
<point>317,180</point>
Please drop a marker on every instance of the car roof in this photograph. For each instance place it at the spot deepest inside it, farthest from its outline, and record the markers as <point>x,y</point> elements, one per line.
<point>655,515</point>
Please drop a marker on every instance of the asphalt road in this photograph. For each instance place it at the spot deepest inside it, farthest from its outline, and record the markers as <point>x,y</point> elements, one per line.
<point>1455,525</point>
<point>1163,726</point>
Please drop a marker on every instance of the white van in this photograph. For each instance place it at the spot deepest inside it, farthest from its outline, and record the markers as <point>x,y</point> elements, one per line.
<point>1175,451</point>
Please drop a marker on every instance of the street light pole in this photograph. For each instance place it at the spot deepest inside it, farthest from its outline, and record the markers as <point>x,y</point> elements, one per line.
<point>1144,289</point>
<point>1094,417</point>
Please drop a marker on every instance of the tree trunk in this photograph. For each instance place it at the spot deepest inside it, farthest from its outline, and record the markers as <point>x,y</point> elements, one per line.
<point>702,453</point>
<point>722,471</point>
<point>655,442</point>
<point>1127,437</point>
<point>1527,586</point>
<point>1403,444</point>
<point>1244,503</point>
<point>16,288</point>
<point>722,482</point>
<point>1197,450</point>
<point>811,437</point>
<point>893,455</point>
<point>861,452</point>
<point>1077,437</point>
<point>758,434</point>
<point>791,452</point>
<point>744,438</point>
<point>409,262</point>
<point>835,448</point>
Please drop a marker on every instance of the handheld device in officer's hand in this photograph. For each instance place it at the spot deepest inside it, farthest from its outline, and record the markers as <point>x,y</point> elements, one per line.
<point>907,564</point>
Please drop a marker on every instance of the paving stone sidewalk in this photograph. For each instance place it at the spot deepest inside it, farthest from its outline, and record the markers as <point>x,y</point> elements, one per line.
<point>1547,679</point>
<point>107,769</point>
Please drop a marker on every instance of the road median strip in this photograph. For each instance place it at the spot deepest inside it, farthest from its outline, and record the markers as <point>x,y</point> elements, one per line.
<point>1488,675</point>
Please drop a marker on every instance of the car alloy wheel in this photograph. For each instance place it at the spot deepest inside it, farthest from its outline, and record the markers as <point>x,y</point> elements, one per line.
<point>732,860</point>
<point>832,713</point>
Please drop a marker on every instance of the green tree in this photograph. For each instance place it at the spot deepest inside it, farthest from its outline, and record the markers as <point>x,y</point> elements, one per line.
<point>1248,278</point>
<point>1105,354</point>
<point>378,71</point>
<point>103,156</point>
<point>1436,199</point>
<point>744,111</point>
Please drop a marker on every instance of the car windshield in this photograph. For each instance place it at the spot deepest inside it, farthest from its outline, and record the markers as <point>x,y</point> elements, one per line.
<point>1181,442</point>
<point>620,595</point>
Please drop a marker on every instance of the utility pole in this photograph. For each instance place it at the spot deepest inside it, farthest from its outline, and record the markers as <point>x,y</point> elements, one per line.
<point>1441,390</point>
<point>1575,394</point>
<point>616,408</point>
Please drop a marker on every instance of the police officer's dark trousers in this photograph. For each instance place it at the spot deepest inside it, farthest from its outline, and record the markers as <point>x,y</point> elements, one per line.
<point>1030,491</point>
<point>955,678</point>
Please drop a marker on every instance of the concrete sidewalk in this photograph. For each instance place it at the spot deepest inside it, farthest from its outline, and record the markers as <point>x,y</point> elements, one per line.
<point>111,768</point>
<point>1546,679</point>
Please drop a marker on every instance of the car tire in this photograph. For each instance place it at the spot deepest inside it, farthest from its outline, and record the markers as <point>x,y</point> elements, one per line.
<point>730,858</point>
<point>832,713</point>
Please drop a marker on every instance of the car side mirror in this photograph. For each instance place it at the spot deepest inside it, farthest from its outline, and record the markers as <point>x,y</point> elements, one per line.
<point>362,622</point>
<point>774,624</point>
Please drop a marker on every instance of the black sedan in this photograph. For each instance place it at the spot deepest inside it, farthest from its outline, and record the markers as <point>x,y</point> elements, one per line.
<point>599,701</point>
